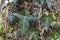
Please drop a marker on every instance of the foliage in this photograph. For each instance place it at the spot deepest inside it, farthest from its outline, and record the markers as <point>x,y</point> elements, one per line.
<point>40,1</point>
<point>12,20</point>
<point>20,20</point>
<point>24,22</point>
<point>49,4</point>
<point>53,35</point>
<point>46,20</point>
<point>34,34</point>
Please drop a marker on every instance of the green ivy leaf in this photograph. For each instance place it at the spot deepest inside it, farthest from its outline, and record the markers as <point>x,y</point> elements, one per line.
<point>52,36</point>
<point>43,18</point>
<point>12,20</point>
<point>49,4</point>
<point>34,35</point>
<point>29,17</point>
<point>40,1</point>
<point>47,24</point>
<point>18,16</point>
<point>24,22</point>
<point>51,17</point>
<point>46,20</point>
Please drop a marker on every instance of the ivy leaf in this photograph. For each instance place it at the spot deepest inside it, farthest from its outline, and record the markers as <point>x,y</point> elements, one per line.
<point>43,18</point>
<point>51,17</point>
<point>49,4</point>
<point>24,22</point>
<point>29,17</point>
<point>12,20</point>
<point>46,20</point>
<point>40,1</point>
<point>18,16</point>
<point>52,36</point>
<point>34,35</point>
<point>47,24</point>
